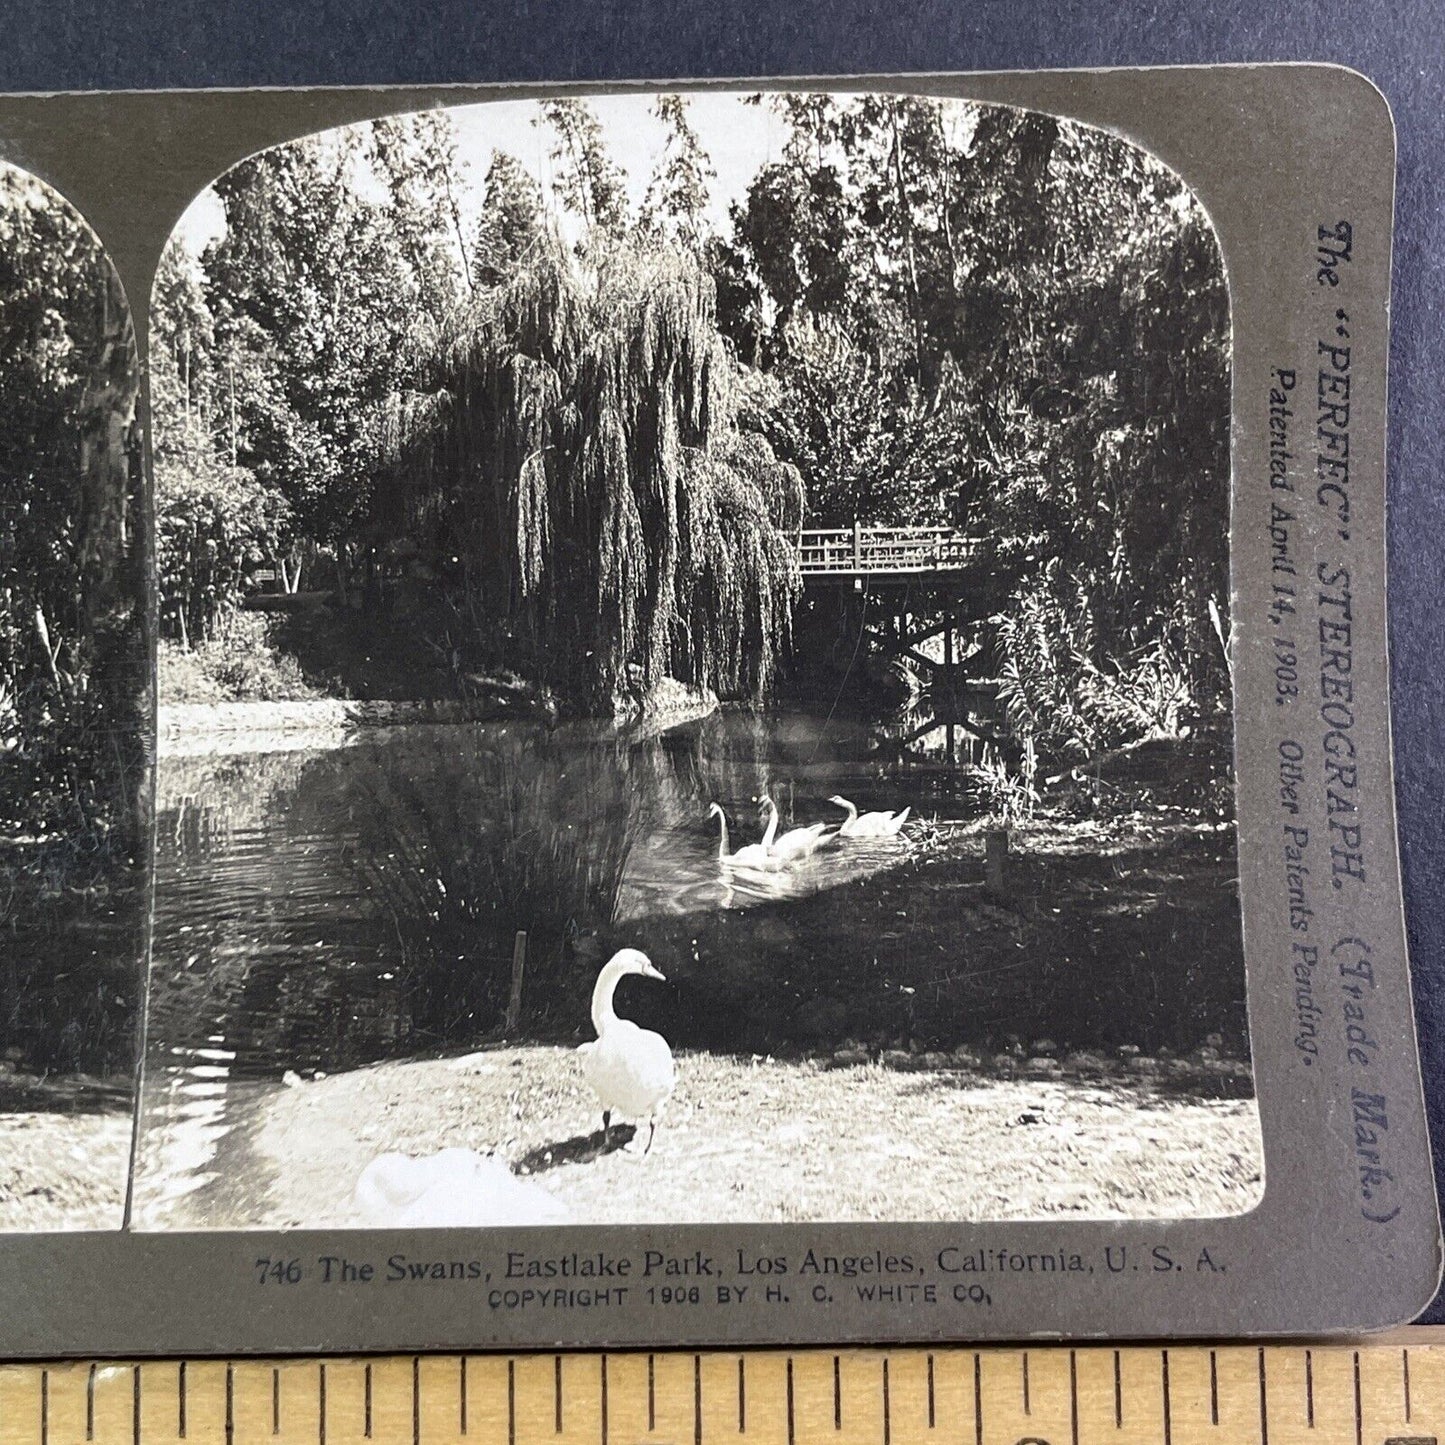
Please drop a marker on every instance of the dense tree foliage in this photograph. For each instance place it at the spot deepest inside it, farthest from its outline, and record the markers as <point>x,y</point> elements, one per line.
<point>74,663</point>
<point>580,419</point>
<point>584,465</point>
<point>214,519</point>
<point>72,533</point>
<point>276,357</point>
<point>1019,323</point>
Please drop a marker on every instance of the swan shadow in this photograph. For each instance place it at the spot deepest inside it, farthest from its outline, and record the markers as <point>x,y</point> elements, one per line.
<point>580,1149</point>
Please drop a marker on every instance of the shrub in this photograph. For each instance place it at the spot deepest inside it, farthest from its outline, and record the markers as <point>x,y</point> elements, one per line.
<point>241,662</point>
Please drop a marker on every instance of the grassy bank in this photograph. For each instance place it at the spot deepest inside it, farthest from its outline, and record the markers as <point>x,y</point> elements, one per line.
<point>310,650</point>
<point>748,1139</point>
<point>64,1153</point>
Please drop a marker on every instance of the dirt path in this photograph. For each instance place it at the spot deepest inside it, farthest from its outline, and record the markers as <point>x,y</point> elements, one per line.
<point>755,1140</point>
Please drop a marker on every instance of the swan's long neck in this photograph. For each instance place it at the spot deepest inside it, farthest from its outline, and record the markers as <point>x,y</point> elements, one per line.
<point>852,814</point>
<point>722,842</point>
<point>602,1011</point>
<point>771,831</point>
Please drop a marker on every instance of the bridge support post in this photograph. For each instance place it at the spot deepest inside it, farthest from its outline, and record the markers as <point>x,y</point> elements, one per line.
<point>948,680</point>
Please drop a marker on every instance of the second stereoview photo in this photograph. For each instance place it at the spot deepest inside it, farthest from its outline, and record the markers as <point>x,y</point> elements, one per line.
<point>692,676</point>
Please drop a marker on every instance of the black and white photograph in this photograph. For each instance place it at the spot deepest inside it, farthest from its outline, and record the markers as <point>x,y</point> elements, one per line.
<point>694,678</point>
<point>75,706</point>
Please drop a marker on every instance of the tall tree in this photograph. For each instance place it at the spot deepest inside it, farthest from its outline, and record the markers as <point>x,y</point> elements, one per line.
<point>320,315</point>
<point>512,224</point>
<point>213,518</point>
<point>586,180</point>
<point>872,445</point>
<point>73,555</point>
<point>675,206</point>
<point>586,463</point>
<point>797,224</point>
<point>415,157</point>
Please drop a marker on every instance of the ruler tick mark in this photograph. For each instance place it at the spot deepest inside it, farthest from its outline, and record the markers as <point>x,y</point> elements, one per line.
<point>90,1404</point>
<point>416,1400</point>
<point>1405,1378</point>
<point>45,1407</point>
<point>557,1394</point>
<point>790,1401</point>
<point>1118,1395</point>
<point>511,1402</point>
<point>275,1401</point>
<point>1359,1413</point>
<point>366,1402</point>
<point>230,1403</point>
<point>837,1394</point>
<point>1213,1390</point>
<point>1263,1402</point>
<point>1027,1409</point>
<point>604,1399</point>
<point>462,1390</point>
<point>742,1396</point>
<point>181,1399</point>
<point>1164,1385</point>
<point>1310,1388</point>
<point>931,1420</point>
<point>135,1403</point>
<point>697,1400</point>
<point>651,1394</point>
<point>977,1399</point>
<point>887,1409</point>
<point>321,1403</point>
<point>1073,1399</point>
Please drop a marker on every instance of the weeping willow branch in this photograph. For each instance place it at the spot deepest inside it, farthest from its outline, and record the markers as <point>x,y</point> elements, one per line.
<point>581,458</point>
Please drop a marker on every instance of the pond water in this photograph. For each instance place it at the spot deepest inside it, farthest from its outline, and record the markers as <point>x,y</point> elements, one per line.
<point>321,908</point>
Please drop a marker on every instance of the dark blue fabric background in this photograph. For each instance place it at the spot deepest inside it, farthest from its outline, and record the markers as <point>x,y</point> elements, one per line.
<point>86,44</point>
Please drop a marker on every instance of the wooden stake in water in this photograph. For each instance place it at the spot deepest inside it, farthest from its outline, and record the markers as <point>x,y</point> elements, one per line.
<point>519,964</point>
<point>995,860</point>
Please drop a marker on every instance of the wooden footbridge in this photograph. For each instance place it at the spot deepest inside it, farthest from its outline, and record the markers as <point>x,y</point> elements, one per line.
<point>914,595</point>
<point>833,555</point>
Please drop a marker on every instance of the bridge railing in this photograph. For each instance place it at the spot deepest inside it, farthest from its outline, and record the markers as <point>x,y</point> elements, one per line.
<point>846,550</point>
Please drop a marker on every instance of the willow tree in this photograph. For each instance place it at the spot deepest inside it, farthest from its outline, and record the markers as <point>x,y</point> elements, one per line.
<point>581,460</point>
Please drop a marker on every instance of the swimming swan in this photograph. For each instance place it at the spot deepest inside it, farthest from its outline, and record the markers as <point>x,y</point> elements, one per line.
<point>796,843</point>
<point>630,1069</point>
<point>454,1188</point>
<point>870,825</point>
<point>753,856</point>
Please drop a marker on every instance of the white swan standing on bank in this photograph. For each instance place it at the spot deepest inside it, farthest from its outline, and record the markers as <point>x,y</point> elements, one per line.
<point>796,843</point>
<point>753,856</point>
<point>870,825</point>
<point>630,1069</point>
